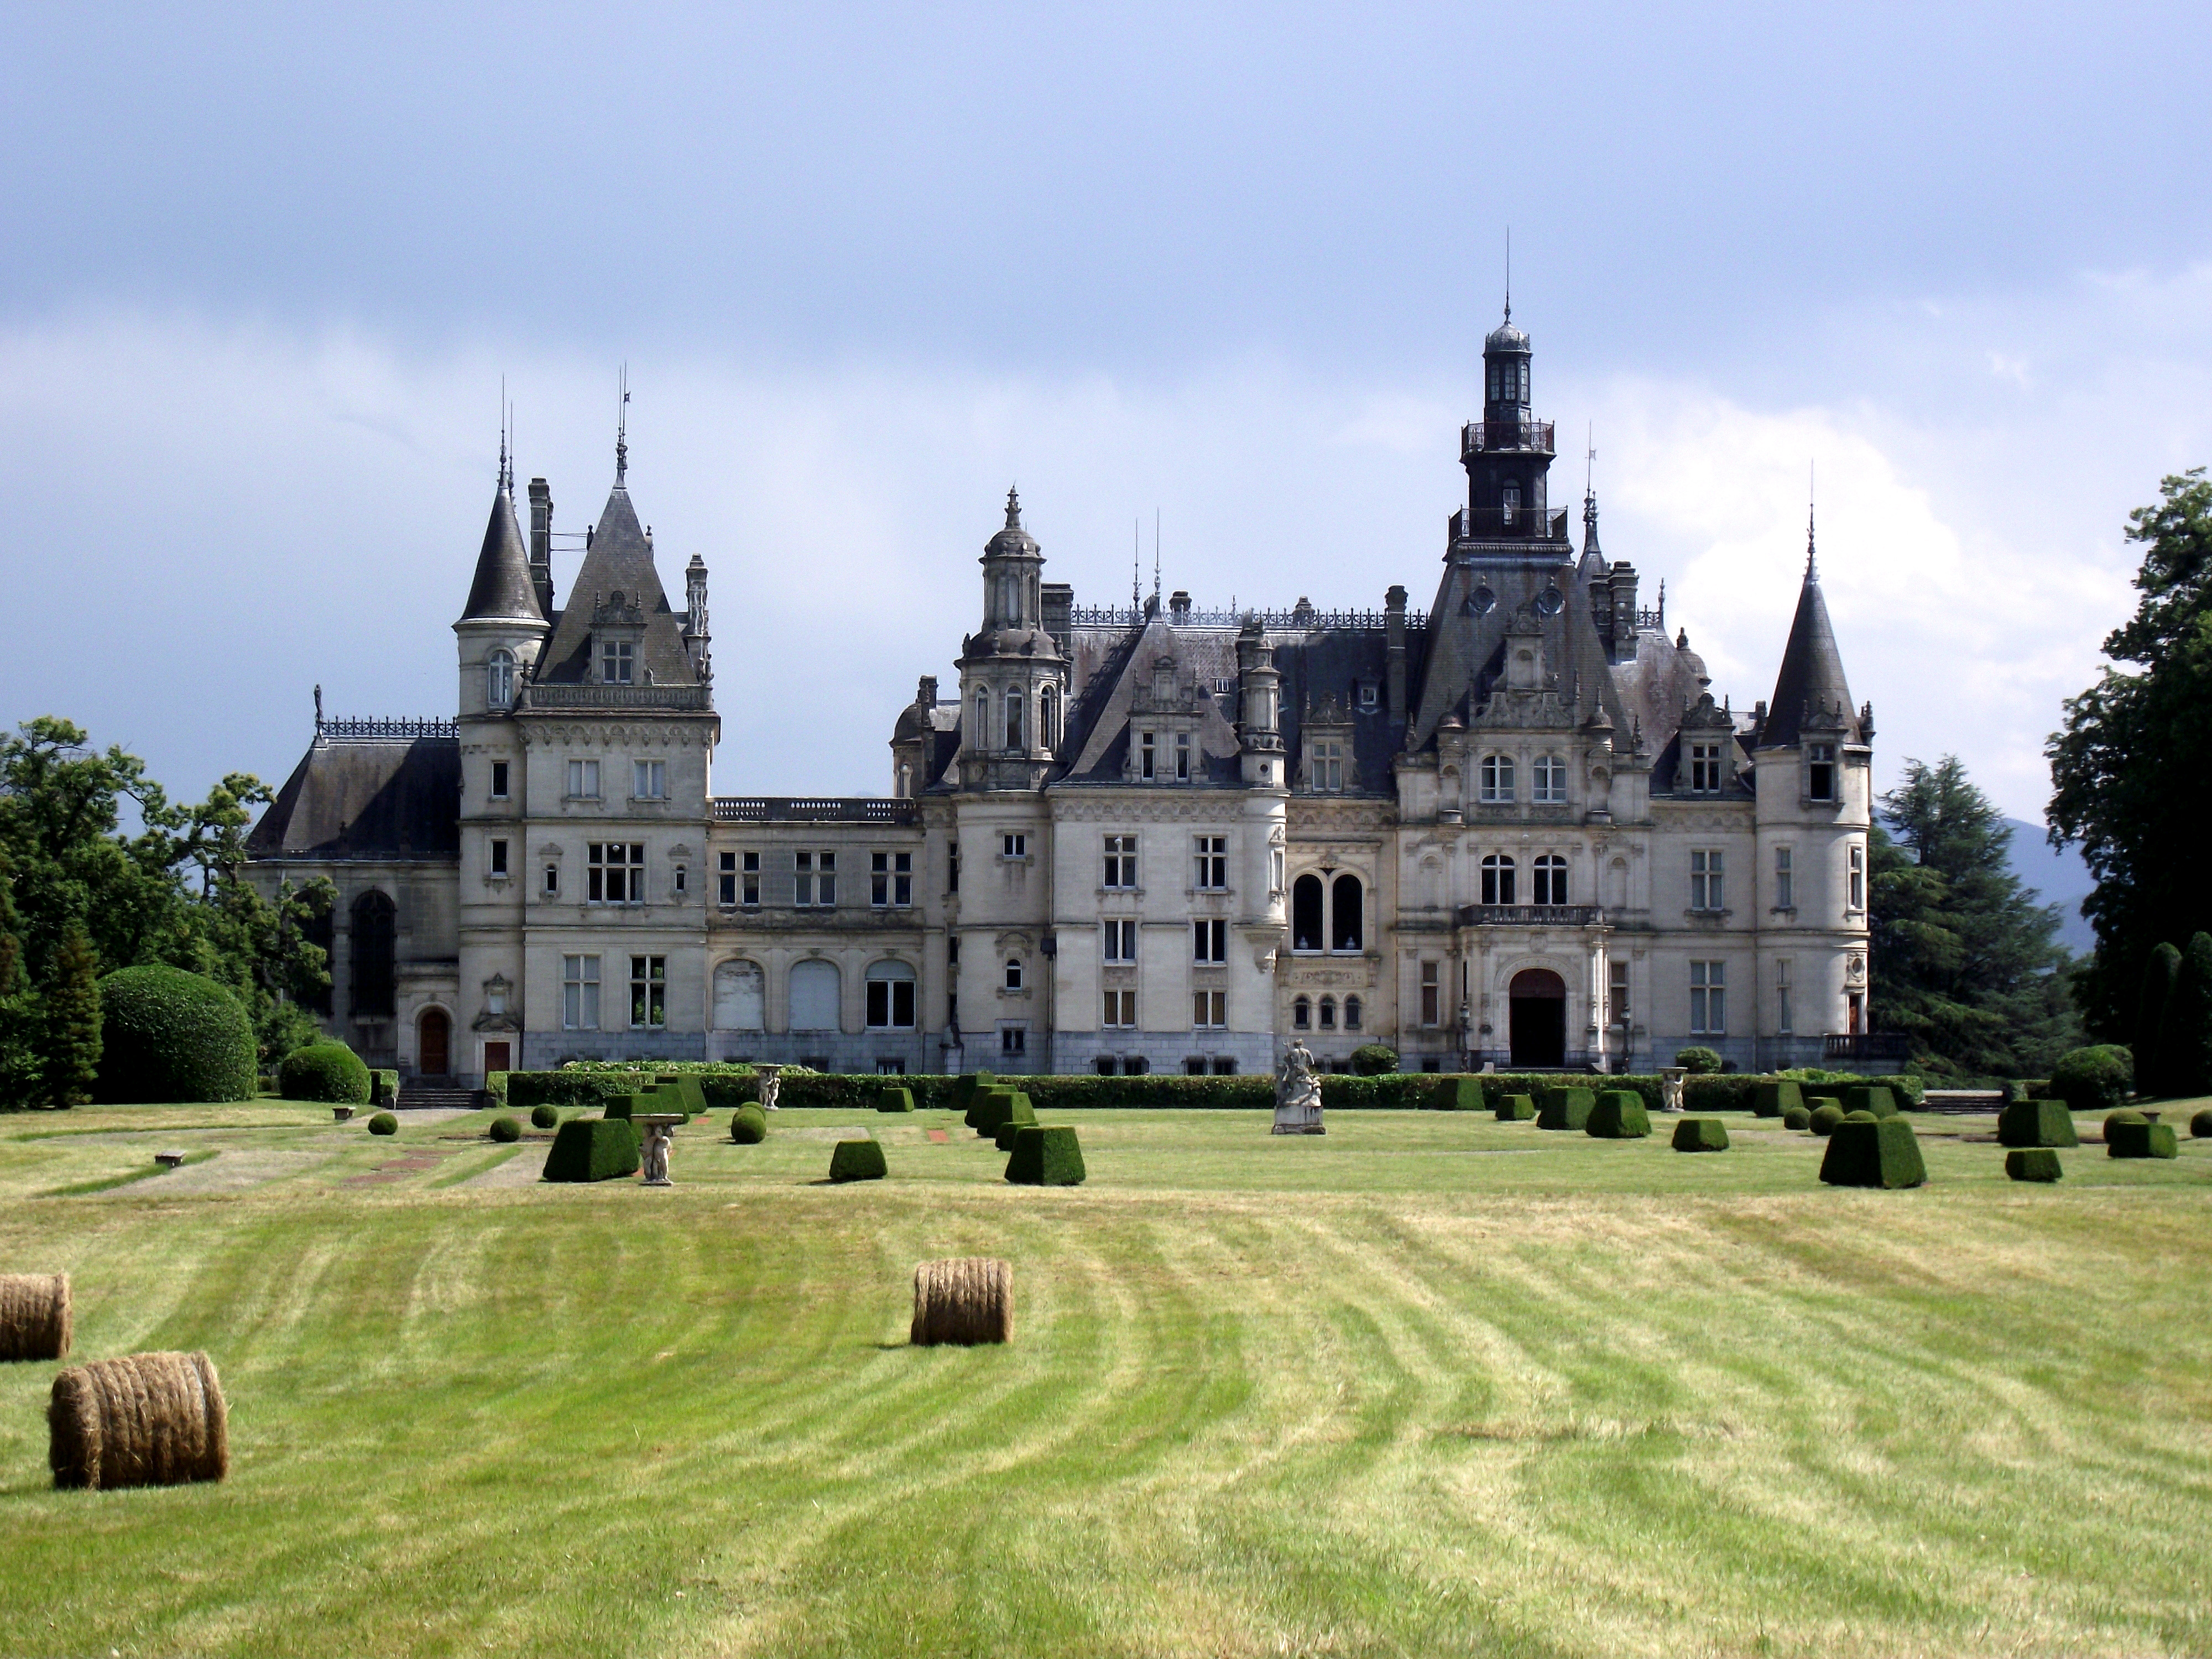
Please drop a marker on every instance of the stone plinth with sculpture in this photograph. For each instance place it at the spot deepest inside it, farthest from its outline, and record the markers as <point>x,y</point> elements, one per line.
<point>656,1128</point>
<point>1297,1093</point>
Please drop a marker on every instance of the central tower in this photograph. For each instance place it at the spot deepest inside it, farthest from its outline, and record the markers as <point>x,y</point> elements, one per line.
<point>1508,452</point>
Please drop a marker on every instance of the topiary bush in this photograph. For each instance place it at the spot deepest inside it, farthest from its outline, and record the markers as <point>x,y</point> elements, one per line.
<point>1773,1098</point>
<point>1869,1098</point>
<point>748,1126</point>
<point>1046,1156</point>
<point>545,1117</point>
<point>1456,1093</point>
<point>1796,1118</point>
<point>2032,1164</point>
<point>1824,1118</point>
<point>1862,1116</point>
<point>857,1160</point>
<point>2093,1079</point>
<point>2140,1140</point>
<point>2036,1123</point>
<point>2162,973</point>
<point>996,1106</point>
<point>895,1100</point>
<point>2126,1115</point>
<point>2183,1062</point>
<point>967,1089</point>
<point>504,1128</point>
<point>167,1035</point>
<point>328,1072</point>
<point>1565,1109</point>
<point>1701,1135</point>
<point>1374,1059</point>
<point>384,1124</point>
<point>1873,1151</point>
<point>594,1149</point>
<point>1698,1060</point>
<point>2200,1125</point>
<point>1619,1115</point>
<point>1516,1109</point>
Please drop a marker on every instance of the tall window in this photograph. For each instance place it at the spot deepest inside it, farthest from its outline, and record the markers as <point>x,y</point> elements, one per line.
<point>1013,973</point>
<point>648,779</point>
<point>1705,881</point>
<point>1183,757</point>
<point>1782,1019</point>
<point>499,780</point>
<point>1550,781</point>
<point>1121,938</point>
<point>1704,768</point>
<point>889,987</point>
<point>1120,862</point>
<point>1617,992</point>
<point>375,939</point>
<point>1497,786</point>
<point>1306,905</point>
<point>499,679</point>
<point>1212,863</point>
<point>499,857</point>
<point>1147,756</point>
<point>1301,1014</point>
<point>1551,880</point>
<point>725,879</point>
<point>982,737</point>
<point>1328,767</point>
<point>1346,918</point>
<point>648,991</point>
<point>617,872</point>
<point>618,661</point>
<point>1498,879</point>
<point>1709,999</point>
<point>1209,1010</point>
<point>583,779</point>
<point>891,879</point>
<point>1432,994</point>
<point>1820,771</point>
<point>1015,699</point>
<point>1328,1013</point>
<point>1785,880</point>
<point>1351,1013</point>
<point>1120,1010</point>
<point>552,881</point>
<point>580,993</point>
<point>1856,890</point>
<point>817,989</point>
<point>1512,497</point>
<point>741,997</point>
<point>814,879</point>
<point>1210,942</point>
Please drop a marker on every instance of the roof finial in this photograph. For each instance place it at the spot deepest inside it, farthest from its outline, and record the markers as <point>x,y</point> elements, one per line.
<point>319,711</point>
<point>1589,483</point>
<point>1013,507</point>
<point>1812,570</point>
<point>622,430</point>
<point>505,476</point>
<point>1509,273</point>
<point>1136,564</point>
<point>1155,558</point>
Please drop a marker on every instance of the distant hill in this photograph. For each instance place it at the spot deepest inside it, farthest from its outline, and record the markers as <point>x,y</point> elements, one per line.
<point>2058,877</point>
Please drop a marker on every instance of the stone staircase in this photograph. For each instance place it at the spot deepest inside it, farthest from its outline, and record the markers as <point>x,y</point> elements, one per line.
<point>436,1094</point>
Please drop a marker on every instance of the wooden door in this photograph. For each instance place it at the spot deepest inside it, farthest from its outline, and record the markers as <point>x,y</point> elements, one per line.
<point>496,1055</point>
<point>432,1054</point>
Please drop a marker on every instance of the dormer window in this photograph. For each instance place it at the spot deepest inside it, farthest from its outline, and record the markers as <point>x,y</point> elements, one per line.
<point>499,679</point>
<point>1820,771</point>
<point>1327,769</point>
<point>618,662</point>
<point>1183,757</point>
<point>1147,757</point>
<point>1367,697</point>
<point>1704,768</point>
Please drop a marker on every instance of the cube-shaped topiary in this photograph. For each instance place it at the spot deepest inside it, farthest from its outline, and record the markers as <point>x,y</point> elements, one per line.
<point>545,1115</point>
<point>1457,1093</point>
<point>1772,1099</point>
<point>594,1149</point>
<point>2032,1164</point>
<point>504,1128</point>
<point>857,1160</point>
<point>384,1124</point>
<point>894,1100</point>
<point>2036,1123</point>
<point>328,1072</point>
<point>1872,1098</point>
<point>1824,1118</point>
<point>2140,1140</point>
<point>967,1089</point>
<point>2200,1124</point>
<point>749,1125</point>
<point>1796,1118</point>
<point>1619,1115</point>
<point>686,1089</point>
<point>1516,1109</point>
<point>1565,1109</point>
<point>1005,1138</point>
<point>1873,1151</point>
<point>996,1106</point>
<point>1045,1156</point>
<point>1701,1135</point>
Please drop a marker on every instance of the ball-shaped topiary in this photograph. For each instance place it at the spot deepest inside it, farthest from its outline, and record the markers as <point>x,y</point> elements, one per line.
<point>1826,1117</point>
<point>2200,1125</point>
<point>1698,1062</point>
<point>384,1124</point>
<point>167,1035</point>
<point>2093,1079</point>
<point>1796,1118</point>
<point>1374,1059</point>
<point>328,1072</point>
<point>1862,1116</point>
<point>748,1126</point>
<point>504,1128</point>
<point>2126,1115</point>
<point>545,1116</point>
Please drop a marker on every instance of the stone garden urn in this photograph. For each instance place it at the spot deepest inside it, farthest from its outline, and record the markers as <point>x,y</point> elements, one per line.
<point>657,1127</point>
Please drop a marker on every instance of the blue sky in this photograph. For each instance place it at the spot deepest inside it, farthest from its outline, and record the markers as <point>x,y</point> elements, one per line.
<point>264,270</point>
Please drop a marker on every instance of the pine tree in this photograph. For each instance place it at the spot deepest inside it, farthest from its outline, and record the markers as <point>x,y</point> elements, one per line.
<point>20,1025</point>
<point>72,1047</point>
<point>2185,1047</point>
<point>2160,973</point>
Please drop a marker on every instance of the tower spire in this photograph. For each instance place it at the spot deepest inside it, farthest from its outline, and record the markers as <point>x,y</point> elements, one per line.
<point>1812,569</point>
<point>1509,273</point>
<point>622,430</point>
<point>506,421</point>
<point>1013,507</point>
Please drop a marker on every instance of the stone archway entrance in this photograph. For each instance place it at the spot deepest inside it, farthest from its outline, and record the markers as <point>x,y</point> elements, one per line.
<point>434,1043</point>
<point>1538,1017</point>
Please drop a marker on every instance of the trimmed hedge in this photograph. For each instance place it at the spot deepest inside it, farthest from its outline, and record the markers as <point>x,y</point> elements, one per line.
<point>748,1126</point>
<point>2200,1125</point>
<point>1046,1156</point>
<point>1869,1097</point>
<point>1773,1098</point>
<point>1826,1117</point>
<point>895,1100</point>
<point>594,1149</point>
<point>170,1036</point>
<point>1701,1135</point>
<point>495,1087</point>
<point>967,1089</point>
<point>1455,1093</point>
<point>384,1124</point>
<point>1874,1153</point>
<point>328,1072</point>
<point>1003,1139</point>
<point>545,1117</point>
<point>1565,1109</point>
<point>857,1160</point>
<point>995,1108</point>
<point>2032,1164</point>
<point>1796,1118</point>
<point>383,1087</point>
<point>1516,1109</point>
<point>1619,1115</point>
<point>2095,1079</point>
<point>2036,1123</point>
<point>2140,1140</point>
<point>504,1128</point>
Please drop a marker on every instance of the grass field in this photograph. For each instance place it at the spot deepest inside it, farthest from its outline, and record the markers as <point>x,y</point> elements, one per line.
<point>1430,1385</point>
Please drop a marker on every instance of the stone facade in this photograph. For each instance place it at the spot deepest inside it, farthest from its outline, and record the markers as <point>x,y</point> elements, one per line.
<point>1518,827</point>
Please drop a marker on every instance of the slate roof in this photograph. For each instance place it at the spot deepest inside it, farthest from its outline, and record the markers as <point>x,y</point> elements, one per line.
<point>380,798</point>
<point>618,561</point>
<point>1812,676</point>
<point>502,588</point>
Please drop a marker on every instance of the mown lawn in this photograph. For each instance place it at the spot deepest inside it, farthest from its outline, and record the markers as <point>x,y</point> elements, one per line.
<point>1430,1385</point>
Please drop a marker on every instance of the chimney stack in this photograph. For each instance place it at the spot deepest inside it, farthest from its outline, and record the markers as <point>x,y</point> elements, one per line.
<point>541,543</point>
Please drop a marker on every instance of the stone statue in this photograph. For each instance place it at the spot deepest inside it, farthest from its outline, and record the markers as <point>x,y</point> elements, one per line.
<point>1670,1087</point>
<point>657,1128</point>
<point>1297,1093</point>
<point>771,1083</point>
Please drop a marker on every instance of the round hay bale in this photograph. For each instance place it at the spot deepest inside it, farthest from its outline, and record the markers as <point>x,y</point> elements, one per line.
<point>147,1419</point>
<point>963,1300</point>
<point>34,1315</point>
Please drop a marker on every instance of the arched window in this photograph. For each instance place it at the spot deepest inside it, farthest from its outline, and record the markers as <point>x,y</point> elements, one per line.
<point>1497,778</point>
<point>1351,1013</point>
<point>1328,1013</point>
<point>1048,718</point>
<point>1305,914</point>
<point>1551,780</point>
<point>1301,1014</point>
<point>1551,880</point>
<point>1346,920</point>
<point>981,737</point>
<point>499,679</point>
<point>815,988</point>
<point>1015,699</point>
<point>1496,879</point>
<point>741,997</point>
<point>891,997</point>
<point>375,937</point>
<point>1013,973</point>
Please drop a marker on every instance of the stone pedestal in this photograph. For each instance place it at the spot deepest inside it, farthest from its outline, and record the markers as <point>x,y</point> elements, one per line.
<point>657,1128</point>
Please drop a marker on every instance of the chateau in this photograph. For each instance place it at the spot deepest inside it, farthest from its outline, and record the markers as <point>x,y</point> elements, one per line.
<point>1516,827</point>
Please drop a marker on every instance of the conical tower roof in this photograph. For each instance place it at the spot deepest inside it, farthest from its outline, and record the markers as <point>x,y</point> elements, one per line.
<point>502,590</point>
<point>1811,688</point>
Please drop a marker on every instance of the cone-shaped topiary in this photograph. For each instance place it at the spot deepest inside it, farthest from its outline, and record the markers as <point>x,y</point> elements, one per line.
<point>1796,1118</point>
<point>1701,1135</point>
<point>546,1116</point>
<point>594,1149</point>
<point>2032,1164</point>
<point>1874,1098</point>
<point>327,1071</point>
<point>749,1125</point>
<point>1619,1115</point>
<point>1045,1156</point>
<point>1824,1118</point>
<point>2140,1140</point>
<point>2036,1123</point>
<point>2162,972</point>
<point>168,1036</point>
<point>1775,1098</point>
<point>1874,1153</point>
<point>894,1100</point>
<point>857,1160</point>
<point>384,1124</point>
<point>1565,1109</point>
<point>1516,1109</point>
